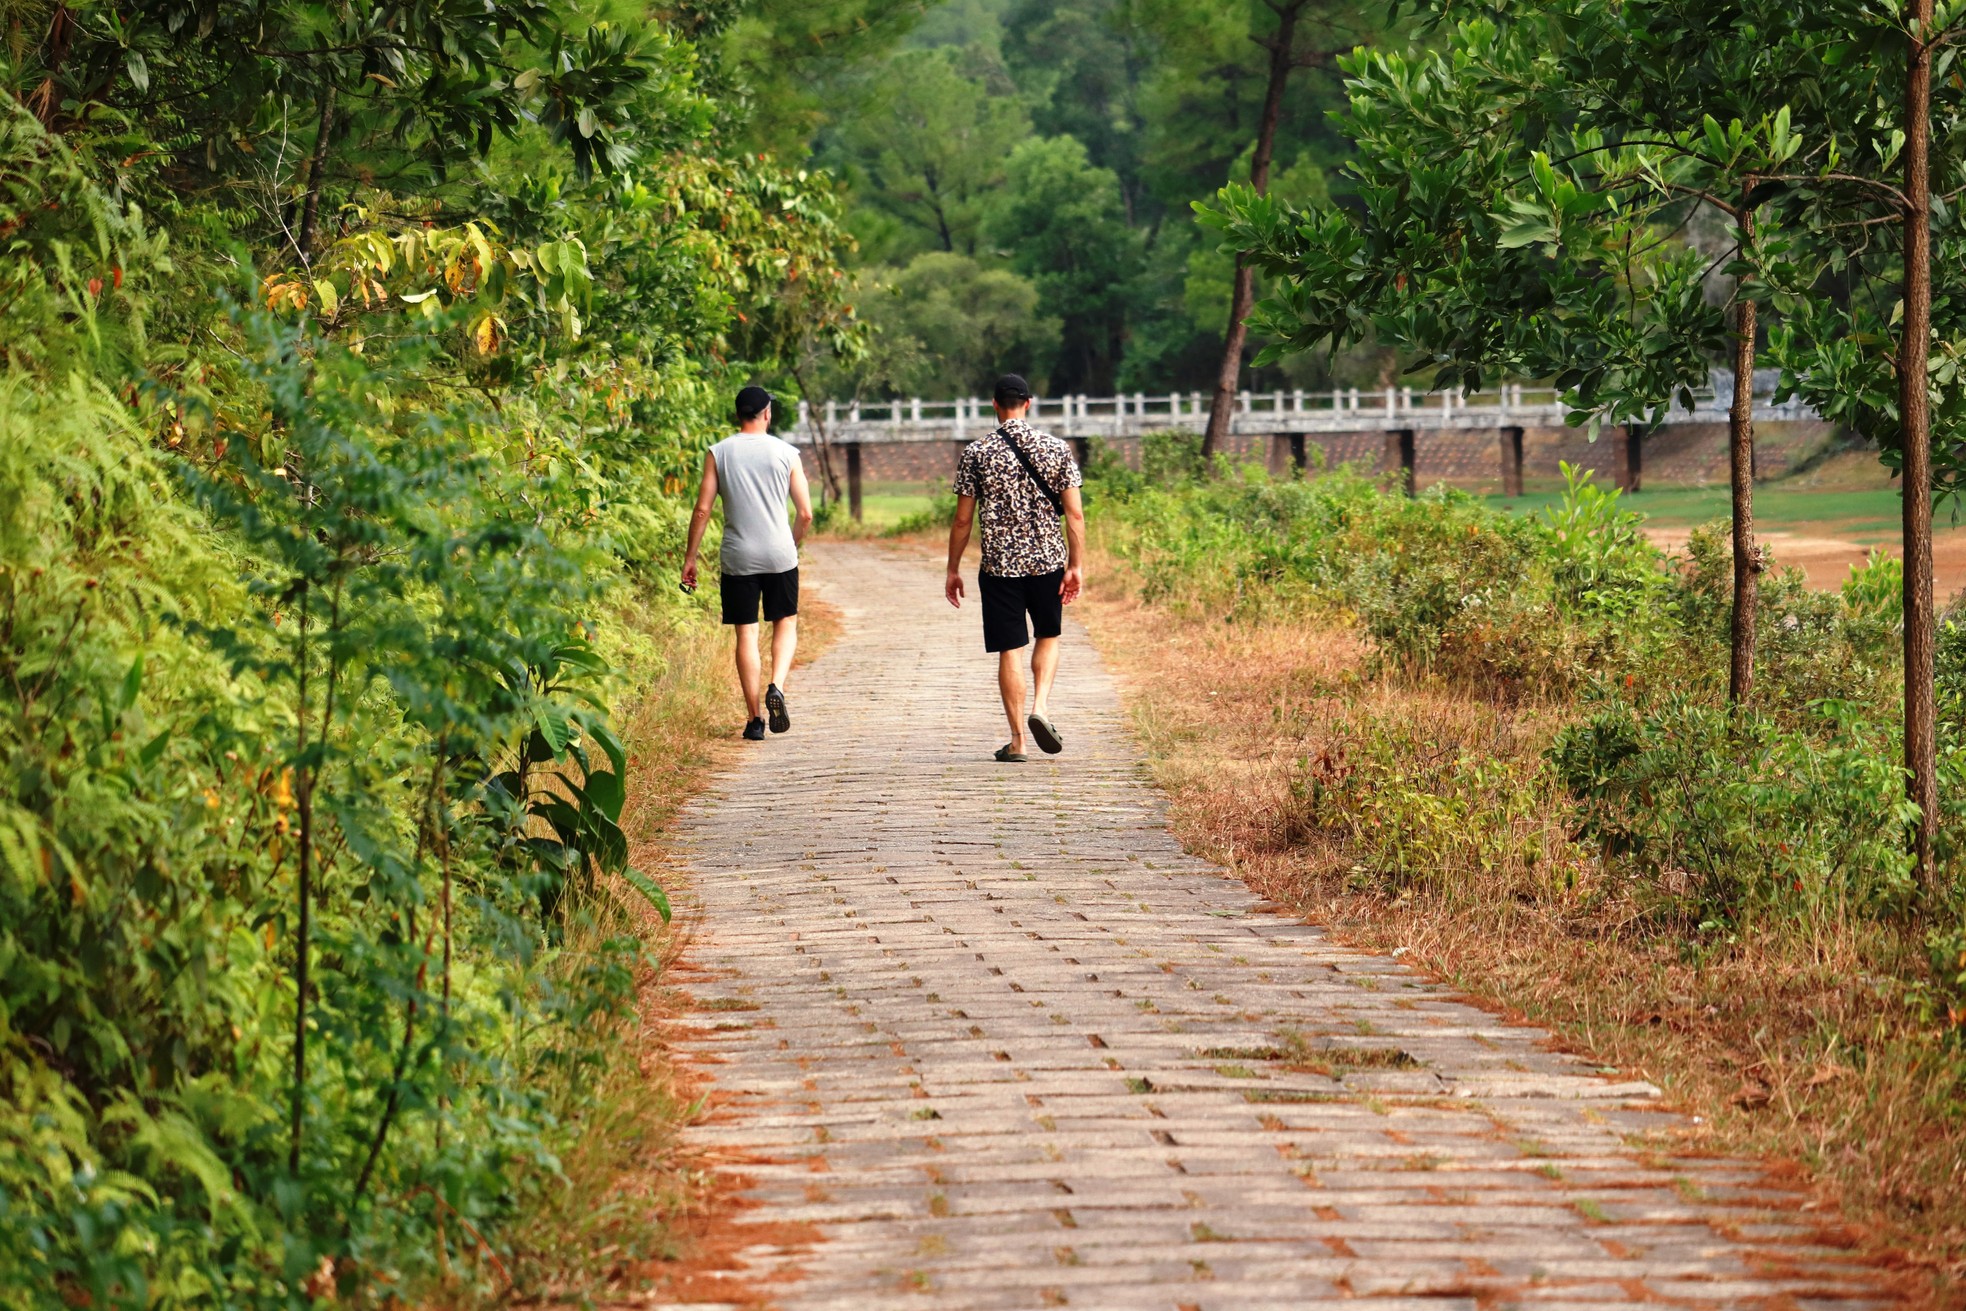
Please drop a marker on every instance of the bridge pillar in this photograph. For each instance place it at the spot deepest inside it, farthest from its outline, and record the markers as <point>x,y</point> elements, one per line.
<point>1286,454</point>
<point>1511,444</point>
<point>1399,456</point>
<point>1079,451</point>
<point>853,480</point>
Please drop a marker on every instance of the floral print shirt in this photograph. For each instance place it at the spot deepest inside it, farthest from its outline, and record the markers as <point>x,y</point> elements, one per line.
<point>1022,535</point>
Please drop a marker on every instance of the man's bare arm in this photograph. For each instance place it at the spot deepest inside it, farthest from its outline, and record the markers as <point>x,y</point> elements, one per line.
<point>699,519</point>
<point>952,586</point>
<point>802,501</point>
<point>1074,546</point>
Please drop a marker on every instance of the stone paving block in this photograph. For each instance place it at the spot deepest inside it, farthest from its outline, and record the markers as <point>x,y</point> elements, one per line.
<point>1049,1058</point>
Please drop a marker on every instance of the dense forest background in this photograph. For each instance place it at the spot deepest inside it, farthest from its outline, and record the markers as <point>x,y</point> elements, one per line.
<point>1019,176</point>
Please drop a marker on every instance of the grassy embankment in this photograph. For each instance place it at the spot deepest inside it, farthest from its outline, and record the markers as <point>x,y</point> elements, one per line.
<point>1495,743</point>
<point>161,957</point>
<point>636,1208</point>
<point>627,1192</point>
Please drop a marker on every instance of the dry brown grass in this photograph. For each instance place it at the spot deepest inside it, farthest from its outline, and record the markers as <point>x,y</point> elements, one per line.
<point>1793,1042</point>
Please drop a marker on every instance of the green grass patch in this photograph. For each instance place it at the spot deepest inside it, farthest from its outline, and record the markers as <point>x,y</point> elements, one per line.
<point>1865,517</point>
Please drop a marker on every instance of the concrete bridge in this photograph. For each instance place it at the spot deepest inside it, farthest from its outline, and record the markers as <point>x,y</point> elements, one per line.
<point>1278,427</point>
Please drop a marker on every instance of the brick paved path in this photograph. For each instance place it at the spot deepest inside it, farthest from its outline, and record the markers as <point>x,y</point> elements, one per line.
<point>1005,1045</point>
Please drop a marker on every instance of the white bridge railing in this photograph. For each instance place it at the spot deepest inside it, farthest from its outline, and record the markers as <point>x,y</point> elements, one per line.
<point>1273,412</point>
<point>1285,420</point>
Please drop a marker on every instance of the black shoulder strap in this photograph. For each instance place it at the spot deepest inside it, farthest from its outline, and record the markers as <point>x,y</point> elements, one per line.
<point>1057,501</point>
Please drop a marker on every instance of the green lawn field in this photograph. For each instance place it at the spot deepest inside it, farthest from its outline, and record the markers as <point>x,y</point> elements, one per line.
<point>1867,517</point>
<point>883,505</point>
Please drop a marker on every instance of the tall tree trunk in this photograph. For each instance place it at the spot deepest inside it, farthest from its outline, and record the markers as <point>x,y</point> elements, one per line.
<point>1914,407</point>
<point>823,447</point>
<point>1221,410</point>
<point>1227,380</point>
<point>304,803</point>
<point>1740,465</point>
<point>310,210</point>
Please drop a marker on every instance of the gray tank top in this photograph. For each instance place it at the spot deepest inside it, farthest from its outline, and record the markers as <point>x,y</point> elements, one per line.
<point>754,478</point>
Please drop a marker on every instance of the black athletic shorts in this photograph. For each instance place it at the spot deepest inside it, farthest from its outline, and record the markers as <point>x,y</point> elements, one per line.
<point>742,592</point>
<point>1007,600</point>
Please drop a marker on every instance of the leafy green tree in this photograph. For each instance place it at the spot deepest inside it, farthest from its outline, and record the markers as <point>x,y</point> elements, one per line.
<point>1876,325</point>
<point>927,147</point>
<point>1300,36</point>
<point>793,58</point>
<point>949,326</point>
<point>1061,223</point>
<point>1163,95</point>
<point>1665,77</point>
<point>1550,252</point>
<point>1845,181</point>
<point>1521,202</point>
<point>268,104</point>
<point>310,864</point>
<point>1083,67</point>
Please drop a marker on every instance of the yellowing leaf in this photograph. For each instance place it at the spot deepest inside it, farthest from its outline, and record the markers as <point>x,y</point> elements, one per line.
<point>330,299</point>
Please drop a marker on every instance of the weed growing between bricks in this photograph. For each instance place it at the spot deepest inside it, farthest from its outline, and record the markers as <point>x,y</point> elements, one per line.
<point>1496,746</point>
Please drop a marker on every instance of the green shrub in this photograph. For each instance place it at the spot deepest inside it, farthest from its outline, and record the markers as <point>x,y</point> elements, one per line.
<point>1105,469</point>
<point>1729,812</point>
<point>325,588</point>
<point>1950,661</point>
<point>1170,456</point>
<point>1439,582</point>
<point>939,515</point>
<point>363,660</point>
<point>1876,588</point>
<point>1796,805</point>
<point>1430,802</point>
<point>829,515</point>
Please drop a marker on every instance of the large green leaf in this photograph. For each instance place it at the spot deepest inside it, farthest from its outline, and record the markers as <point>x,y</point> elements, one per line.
<point>604,791</point>
<point>643,884</point>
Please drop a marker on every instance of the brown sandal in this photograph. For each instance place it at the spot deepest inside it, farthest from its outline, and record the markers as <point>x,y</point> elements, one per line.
<point>1046,734</point>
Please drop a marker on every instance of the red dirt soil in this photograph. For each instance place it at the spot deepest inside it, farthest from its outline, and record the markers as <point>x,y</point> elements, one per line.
<point>1826,561</point>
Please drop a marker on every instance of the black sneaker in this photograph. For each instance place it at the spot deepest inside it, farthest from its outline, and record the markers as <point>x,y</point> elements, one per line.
<point>755,731</point>
<point>775,706</point>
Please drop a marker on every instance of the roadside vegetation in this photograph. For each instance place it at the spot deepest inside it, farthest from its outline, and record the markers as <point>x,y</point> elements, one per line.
<point>355,366</point>
<point>1500,745</point>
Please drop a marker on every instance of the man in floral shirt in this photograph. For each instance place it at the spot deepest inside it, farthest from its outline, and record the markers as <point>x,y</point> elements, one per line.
<point>1026,482</point>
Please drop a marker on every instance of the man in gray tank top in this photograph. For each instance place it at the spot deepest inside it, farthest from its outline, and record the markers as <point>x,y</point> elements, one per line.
<point>755,473</point>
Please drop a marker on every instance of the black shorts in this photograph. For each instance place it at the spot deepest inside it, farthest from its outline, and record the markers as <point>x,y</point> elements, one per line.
<point>742,592</point>
<point>1007,600</point>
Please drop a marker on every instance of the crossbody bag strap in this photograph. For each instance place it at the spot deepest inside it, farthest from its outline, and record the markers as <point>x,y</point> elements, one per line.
<point>1057,501</point>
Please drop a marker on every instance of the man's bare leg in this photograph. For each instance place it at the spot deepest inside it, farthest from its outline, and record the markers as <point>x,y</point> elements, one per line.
<point>784,645</point>
<point>1010,682</point>
<point>1044,668</point>
<point>749,675</point>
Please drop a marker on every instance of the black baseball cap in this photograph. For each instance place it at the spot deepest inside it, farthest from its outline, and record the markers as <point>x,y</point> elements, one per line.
<point>1012,390</point>
<point>751,402</point>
